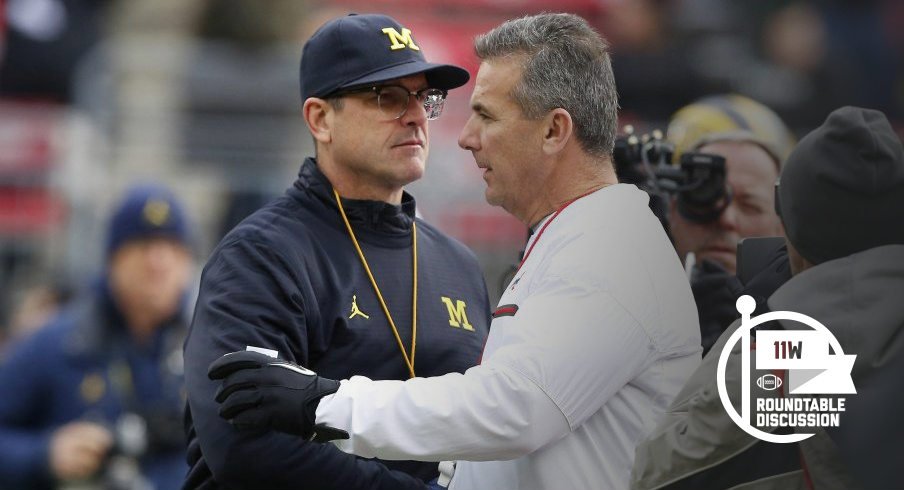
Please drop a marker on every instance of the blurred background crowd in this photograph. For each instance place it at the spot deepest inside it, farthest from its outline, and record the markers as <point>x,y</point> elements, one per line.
<point>202,95</point>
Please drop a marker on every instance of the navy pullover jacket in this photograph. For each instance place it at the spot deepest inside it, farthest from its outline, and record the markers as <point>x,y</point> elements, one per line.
<point>285,279</point>
<point>84,365</point>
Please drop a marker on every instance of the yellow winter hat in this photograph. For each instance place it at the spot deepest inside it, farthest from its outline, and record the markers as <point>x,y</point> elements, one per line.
<point>729,117</point>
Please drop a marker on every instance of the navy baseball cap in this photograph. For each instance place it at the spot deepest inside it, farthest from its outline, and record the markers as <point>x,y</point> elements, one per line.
<point>357,50</point>
<point>147,211</point>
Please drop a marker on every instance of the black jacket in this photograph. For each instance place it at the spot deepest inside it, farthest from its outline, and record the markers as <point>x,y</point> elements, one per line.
<point>285,279</point>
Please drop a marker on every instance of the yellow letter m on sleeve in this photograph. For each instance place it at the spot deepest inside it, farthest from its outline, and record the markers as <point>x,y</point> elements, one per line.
<point>400,41</point>
<point>458,317</point>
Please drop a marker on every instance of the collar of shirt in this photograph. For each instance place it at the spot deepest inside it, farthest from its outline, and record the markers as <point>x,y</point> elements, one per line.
<point>374,216</point>
<point>532,231</point>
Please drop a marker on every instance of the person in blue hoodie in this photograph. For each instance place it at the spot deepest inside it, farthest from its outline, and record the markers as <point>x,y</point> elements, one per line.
<point>339,275</point>
<point>95,397</point>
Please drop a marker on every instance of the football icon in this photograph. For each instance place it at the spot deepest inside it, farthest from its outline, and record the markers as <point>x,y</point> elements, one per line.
<point>769,382</point>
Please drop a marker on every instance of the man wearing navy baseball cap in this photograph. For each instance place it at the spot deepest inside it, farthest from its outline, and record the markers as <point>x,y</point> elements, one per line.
<point>94,398</point>
<point>338,275</point>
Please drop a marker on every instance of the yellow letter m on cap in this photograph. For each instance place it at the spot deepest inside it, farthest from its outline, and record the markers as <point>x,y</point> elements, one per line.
<point>400,41</point>
<point>458,317</point>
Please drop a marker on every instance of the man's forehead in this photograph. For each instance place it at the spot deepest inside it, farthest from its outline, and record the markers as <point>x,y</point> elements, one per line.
<point>495,80</point>
<point>733,149</point>
<point>507,69</point>
<point>743,157</point>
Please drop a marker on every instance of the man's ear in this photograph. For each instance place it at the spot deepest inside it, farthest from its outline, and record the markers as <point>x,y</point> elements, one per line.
<point>318,114</point>
<point>558,128</point>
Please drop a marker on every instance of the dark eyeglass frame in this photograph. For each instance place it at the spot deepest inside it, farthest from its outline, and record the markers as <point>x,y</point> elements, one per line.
<point>433,110</point>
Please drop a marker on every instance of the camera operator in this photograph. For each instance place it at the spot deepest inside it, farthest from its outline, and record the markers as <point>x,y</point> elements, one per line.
<point>754,143</point>
<point>840,199</point>
<point>94,399</point>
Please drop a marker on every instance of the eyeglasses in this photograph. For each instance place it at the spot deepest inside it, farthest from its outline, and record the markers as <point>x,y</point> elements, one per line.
<point>393,100</point>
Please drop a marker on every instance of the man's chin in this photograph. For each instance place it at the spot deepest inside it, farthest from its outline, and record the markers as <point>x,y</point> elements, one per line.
<point>491,198</point>
<point>412,172</point>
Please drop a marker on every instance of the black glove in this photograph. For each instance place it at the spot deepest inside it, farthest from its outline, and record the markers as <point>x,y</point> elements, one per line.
<point>767,281</point>
<point>715,292</point>
<point>262,392</point>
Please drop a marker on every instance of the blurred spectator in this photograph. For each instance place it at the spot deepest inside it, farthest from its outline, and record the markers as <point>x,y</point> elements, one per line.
<point>803,75</point>
<point>45,40</point>
<point>654,72</point>
<point>754,142</point>
<point>857,32</point>
<point>96,396</point>
<point>849,275</point>
<point>801,58</point>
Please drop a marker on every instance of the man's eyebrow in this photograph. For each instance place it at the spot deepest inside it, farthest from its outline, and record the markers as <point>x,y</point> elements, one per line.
<point>479,107</point>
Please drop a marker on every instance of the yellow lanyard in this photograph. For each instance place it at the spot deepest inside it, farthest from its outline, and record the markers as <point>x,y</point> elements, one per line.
<point>409,360</point>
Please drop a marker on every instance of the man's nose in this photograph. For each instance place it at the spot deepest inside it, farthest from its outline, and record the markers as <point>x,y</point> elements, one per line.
<point>467,139</point>
<point>728,219</point>
<point>415,115</point>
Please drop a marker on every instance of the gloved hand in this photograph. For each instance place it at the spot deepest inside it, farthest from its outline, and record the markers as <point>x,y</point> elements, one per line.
<point>715,292</point>
<point>262,392</point>
<point>767,281</point>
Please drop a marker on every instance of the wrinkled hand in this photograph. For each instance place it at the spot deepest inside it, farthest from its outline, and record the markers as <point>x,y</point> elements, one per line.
<point>261,392</point>
<point>78,450</point>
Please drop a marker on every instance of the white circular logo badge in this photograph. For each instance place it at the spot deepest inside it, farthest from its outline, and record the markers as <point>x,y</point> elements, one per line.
<point>812,369</point>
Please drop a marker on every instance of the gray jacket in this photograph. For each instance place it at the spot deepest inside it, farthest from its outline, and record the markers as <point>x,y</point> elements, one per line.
<point>860,299</point>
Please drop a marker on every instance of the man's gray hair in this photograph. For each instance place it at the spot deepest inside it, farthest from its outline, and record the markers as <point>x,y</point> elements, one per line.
<point>567,65</point>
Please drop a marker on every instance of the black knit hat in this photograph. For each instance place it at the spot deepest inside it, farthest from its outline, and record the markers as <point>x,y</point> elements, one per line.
<point>842,188</point>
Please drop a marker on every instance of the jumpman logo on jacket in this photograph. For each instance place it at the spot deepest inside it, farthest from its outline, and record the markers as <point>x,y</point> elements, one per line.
<point>355,310</point>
